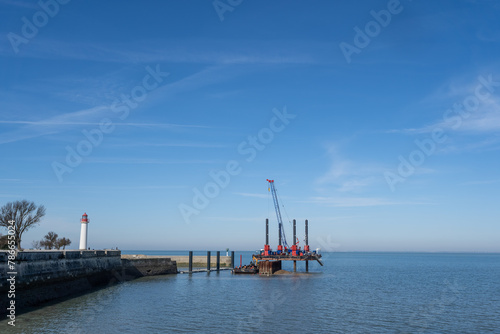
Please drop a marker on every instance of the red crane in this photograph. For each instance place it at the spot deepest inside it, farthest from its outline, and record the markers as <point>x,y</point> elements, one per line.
<point>282,237</point>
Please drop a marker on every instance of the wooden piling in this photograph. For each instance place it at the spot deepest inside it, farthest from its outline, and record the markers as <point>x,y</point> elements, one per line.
<point>190,261</point>
<point>218,261</point>
<point>208,261</point>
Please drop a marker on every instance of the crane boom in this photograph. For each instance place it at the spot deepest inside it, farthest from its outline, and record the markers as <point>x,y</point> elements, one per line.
<point>282,236</point>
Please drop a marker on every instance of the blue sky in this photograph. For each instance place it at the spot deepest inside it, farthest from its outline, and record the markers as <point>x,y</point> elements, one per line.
<point>378,120</point>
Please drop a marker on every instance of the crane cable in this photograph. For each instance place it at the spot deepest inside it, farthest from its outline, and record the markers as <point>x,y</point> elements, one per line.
<point>276,203</point>
<point>283,206</point>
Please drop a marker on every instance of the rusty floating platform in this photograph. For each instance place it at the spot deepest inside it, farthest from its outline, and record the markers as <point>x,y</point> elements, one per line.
<point>288,257</point>
<point>249,270</point>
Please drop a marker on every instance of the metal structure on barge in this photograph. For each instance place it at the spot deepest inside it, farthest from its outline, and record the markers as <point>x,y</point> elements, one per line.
<point>267,262</point>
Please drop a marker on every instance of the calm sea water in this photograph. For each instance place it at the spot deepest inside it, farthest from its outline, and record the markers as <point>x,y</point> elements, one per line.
<point>352,293</point>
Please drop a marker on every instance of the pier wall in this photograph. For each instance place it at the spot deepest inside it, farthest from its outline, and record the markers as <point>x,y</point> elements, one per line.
<point>41,276</point>
<point>148,266</point>
<point>183,260</point>
<point>201,260</point>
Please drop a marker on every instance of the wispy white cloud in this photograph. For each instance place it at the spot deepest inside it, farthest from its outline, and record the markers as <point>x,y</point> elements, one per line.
<point>339,166</point>
<point>485,120</point>
<point>234,219</point>
<point>52,125</point>
<point>347,175</point>
<point>455,117</point>
<point>339,219</point>
<point>356,184</point>
<point>51,121</point>
<point>256,195</point>
<point>222,52</point>
<point>187,144</point>
<point>93,116</point>
<point>149,161</point>
<point>358,201</point>
<point>470,128</point>
<point>457,145</point>
<point>131,187</point>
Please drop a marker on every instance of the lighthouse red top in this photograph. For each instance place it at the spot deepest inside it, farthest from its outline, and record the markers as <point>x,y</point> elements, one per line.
<point>84,219</point>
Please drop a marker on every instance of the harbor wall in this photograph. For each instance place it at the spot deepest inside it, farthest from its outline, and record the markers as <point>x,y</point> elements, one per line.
<point>183,260</point>
<point>201,261</point>
<point>148,266</point>
<point>40,276</point>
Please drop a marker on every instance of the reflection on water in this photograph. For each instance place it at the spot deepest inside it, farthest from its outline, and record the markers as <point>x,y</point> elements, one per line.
<point>353,292</point>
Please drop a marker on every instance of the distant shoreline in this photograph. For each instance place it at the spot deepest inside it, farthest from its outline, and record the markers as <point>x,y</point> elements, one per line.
<point>183,260</point>
<point>322,251</point>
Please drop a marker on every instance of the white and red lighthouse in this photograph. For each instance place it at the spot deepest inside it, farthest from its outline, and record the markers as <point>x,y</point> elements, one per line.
<point>83,233</point>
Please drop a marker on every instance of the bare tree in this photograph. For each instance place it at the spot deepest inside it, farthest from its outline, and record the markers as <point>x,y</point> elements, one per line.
<point>49,241</point>
<point>24,214</point>
<point>62,242</point>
